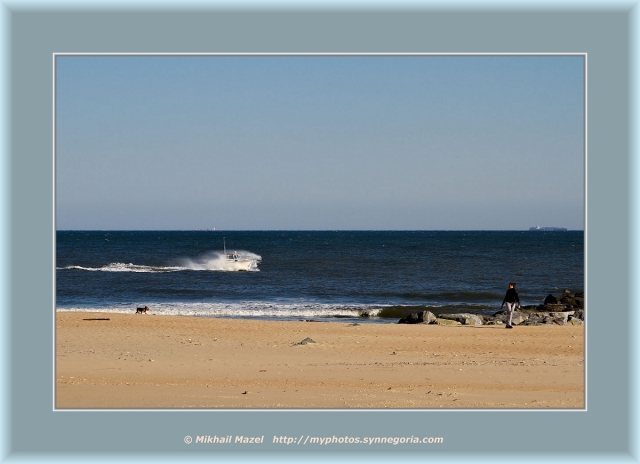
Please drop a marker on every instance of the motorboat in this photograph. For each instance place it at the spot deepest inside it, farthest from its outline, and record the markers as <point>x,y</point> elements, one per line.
<point>237,262</point>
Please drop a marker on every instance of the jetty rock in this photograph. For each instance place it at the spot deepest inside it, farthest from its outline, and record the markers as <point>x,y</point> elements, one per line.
<point>579,314</point>
<point>558,318</point>
<point>577,318</point>
<point>463,318</point>
<point>422,317</point>
<point>570,299</point>
<point>565,302</point>
<point>517,318</point>
<point>565,309</point>
<point>551,308</point>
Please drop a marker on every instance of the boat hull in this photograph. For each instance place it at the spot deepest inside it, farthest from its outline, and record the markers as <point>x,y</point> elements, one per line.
<point>240,265</point>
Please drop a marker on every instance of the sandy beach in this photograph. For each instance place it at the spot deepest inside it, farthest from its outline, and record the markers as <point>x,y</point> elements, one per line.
<point>149,361</point>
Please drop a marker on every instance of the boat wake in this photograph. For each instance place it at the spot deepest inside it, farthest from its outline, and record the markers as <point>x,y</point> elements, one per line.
<point>122,267</point>
<point>217,261</point>
<point>212,261</point>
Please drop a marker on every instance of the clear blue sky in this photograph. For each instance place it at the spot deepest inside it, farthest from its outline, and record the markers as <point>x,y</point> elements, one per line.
<point>314,142</point>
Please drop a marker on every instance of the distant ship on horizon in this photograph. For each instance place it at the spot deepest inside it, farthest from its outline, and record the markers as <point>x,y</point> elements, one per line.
<point>549,229</point>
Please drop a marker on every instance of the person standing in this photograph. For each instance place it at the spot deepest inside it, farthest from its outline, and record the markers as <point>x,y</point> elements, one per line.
<point>511,298</point>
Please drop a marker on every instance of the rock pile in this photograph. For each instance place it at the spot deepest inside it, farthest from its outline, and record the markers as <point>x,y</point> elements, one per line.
<point>567,309</point>
<point>565,302</point>
<point>422,317</point>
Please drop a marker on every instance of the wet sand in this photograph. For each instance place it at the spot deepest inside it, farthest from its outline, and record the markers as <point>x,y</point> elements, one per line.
<point>148,361</point>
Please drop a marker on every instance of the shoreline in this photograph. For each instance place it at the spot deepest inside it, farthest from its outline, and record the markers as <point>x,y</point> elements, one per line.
<point>411,315</point>
<point>142,361</point>
<point>268,318</point>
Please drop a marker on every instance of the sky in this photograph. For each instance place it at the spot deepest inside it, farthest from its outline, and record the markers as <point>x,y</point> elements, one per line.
<point>319,142</point>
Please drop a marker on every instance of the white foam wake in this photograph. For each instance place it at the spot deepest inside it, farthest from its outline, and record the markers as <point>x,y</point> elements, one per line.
<point>216,261</point>
<point>212,261</point>
<point>122,267</point>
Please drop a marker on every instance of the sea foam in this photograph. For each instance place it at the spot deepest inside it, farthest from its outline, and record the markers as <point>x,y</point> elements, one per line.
<point>245,309</point>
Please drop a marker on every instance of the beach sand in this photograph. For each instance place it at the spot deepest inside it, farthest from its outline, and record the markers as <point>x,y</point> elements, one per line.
<point>149,361</point>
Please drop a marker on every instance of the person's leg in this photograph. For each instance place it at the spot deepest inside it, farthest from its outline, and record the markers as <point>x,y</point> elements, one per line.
<point>510,308</point>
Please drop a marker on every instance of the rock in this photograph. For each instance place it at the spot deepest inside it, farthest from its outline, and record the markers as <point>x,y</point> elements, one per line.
<point>446,322</point>
<point>305,341</point>
<point>568,301</point>
<point>576,318</point>
<point>535,318</point>
<point>559,318</point>
<point>422,317</point>
<point>463,318</point>
<point>517,318</point>
<point>552,308</point>
<point>562,317</point>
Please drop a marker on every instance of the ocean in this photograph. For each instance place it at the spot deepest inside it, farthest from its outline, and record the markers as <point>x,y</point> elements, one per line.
<point>363,276</point>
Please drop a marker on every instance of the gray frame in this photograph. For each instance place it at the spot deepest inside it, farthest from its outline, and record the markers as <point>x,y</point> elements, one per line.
<point>34,34</point>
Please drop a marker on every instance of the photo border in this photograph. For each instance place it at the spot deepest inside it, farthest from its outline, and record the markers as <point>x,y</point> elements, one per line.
<point>585,151</point>
<point>12,210</point>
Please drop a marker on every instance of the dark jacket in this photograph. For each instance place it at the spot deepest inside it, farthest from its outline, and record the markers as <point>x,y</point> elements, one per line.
<point>511,296</point>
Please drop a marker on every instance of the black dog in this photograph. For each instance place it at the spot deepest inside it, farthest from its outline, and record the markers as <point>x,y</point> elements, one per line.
<point>142,310</point>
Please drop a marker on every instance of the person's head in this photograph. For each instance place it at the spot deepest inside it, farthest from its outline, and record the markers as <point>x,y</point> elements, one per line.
<point>512,285</point>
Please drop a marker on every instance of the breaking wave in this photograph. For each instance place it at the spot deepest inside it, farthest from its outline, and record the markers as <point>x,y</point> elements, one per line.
<point>268,310</point>
<point>248,309</point>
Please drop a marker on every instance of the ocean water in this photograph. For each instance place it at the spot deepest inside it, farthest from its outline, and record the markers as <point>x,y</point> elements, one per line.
<point>364,276</point>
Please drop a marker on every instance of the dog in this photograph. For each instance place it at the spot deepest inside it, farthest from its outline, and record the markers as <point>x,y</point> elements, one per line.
<point>142,310</point>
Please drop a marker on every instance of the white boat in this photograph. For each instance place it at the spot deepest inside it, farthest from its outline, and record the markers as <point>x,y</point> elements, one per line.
<point>236,262</point>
